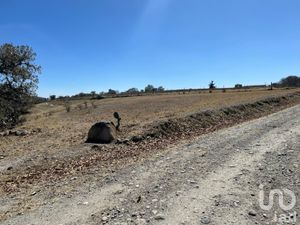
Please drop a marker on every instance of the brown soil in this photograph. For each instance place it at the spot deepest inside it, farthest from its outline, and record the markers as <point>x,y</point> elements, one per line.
<point>50,169</point>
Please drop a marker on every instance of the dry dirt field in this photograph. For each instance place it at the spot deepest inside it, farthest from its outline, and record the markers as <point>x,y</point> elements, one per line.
<point>50,163</point>
<point>60,129</point>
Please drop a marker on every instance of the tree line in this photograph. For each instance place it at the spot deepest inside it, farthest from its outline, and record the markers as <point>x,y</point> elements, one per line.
<point>111,92</point>
<point>290,81</point>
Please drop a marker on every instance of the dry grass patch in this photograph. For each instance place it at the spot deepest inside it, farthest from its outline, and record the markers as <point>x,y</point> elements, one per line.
<point>62,129</point>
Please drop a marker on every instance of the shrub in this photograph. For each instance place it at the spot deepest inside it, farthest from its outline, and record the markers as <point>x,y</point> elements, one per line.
<point>238,86</point>
<point>67,107</point>
<point>79,107</point>
<point>94,105</point>
<point>98,97</point>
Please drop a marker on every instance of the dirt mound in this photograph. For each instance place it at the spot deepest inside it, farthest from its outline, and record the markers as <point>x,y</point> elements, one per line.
<point>210,120</point>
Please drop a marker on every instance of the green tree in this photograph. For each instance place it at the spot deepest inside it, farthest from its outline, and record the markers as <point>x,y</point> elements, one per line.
<point>212,85</point>
<point>132,91</point>
<point>160,89</point>
<point>290,81</point>
<point>149,88</point>
<point>112,92</point>
<point>18,82</point>
<point>17,68</point>
<point>238,86</point>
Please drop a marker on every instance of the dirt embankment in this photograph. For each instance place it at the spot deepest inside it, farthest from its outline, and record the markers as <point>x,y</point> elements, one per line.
<point>210,120</point>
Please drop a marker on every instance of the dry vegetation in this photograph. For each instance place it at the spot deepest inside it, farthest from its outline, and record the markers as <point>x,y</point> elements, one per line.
<point>61,129</point>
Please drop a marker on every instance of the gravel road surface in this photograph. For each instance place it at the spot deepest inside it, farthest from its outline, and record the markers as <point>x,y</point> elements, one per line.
<point>216,179</point>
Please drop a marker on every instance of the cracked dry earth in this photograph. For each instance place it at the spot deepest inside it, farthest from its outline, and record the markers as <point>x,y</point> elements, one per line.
<point>213,180</point>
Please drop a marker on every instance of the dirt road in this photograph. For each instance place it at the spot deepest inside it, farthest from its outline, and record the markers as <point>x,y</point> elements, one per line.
<point>214,180</point>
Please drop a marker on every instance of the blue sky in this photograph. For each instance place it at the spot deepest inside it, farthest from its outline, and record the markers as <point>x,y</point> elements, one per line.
<point>86,45</point>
